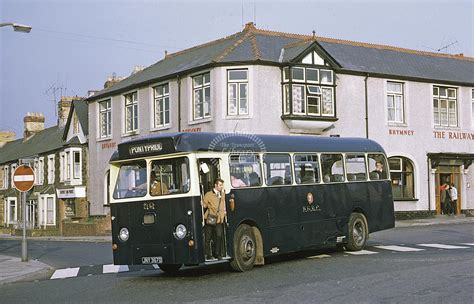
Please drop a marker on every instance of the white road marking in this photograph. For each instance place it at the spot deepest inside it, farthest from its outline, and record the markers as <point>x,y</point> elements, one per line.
<point>321,256</point>
<point>468,244</point>
<point>361,252</point>
<point>399,248</point>
<point>111,268</point>
<point>65,273</point>
<point>442,246</point>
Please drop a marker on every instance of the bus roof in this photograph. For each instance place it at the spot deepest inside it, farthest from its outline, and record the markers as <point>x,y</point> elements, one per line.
<point>168,143</point>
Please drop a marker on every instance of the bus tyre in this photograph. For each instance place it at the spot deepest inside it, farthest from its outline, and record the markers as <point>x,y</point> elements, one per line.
<point>358,232</point>
<point>170,268</point>
<point>245,249</point>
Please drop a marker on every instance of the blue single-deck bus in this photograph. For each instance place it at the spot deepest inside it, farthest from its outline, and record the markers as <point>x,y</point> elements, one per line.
<point>283,194</point>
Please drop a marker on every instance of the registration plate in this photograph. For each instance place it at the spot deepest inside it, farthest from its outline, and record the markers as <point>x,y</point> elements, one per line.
<point>152,260</point>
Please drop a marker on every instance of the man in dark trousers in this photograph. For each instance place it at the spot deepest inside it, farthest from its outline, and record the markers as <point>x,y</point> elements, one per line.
<point>214,204</point>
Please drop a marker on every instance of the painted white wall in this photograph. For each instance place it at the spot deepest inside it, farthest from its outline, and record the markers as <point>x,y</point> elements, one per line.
<point>265,101</point>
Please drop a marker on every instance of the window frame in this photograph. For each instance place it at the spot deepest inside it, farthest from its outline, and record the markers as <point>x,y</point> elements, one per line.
<point>105,121</point>
<point>51,169</point>
<point>201,88</point>
<point>394,108</point>
<point>131,119</point>
<point>441,114</point>
<point>238,83</point>
<point>403,177</point>
<point>163,99</point>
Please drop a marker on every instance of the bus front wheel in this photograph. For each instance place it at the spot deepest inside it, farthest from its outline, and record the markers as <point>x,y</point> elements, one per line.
<point>358,232</point>
<point>245,249</point>
<point>170,268</point>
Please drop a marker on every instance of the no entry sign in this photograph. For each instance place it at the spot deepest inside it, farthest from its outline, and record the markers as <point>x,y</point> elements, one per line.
<point>23,178</point>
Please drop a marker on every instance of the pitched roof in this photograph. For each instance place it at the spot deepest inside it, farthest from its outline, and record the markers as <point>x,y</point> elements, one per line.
<point>254,45</point>
<point>80,108</point>
<point>49,139</point>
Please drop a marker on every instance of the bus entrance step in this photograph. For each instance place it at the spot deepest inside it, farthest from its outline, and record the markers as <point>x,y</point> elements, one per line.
<point>216,261</point>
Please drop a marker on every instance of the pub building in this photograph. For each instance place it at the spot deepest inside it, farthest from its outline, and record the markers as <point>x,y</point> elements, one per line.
<point>418,105</point>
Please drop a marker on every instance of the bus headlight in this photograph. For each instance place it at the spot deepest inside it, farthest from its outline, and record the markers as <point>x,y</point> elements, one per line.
<point>180,232</point>
<point>124,234</point>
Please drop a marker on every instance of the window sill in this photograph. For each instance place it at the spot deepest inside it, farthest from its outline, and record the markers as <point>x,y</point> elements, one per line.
<point>447,128</point>
<point>308,124</point>
<point>130,134</point>
<point>397,124</point>
<point>103,138</point>
<point>203,120</point>
<point>237,117</point>
<point>405,199</point>
<point>165,127</point>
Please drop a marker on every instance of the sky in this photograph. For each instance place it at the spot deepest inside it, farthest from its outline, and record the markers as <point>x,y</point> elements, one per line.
<point>76,44</point>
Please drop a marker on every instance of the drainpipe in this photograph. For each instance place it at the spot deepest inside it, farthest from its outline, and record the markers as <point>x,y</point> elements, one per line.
<point>179,102</point>
<point>366,108</point>
<point>429,183</point>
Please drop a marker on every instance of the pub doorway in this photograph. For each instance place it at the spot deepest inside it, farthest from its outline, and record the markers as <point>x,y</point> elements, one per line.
<point>450,175</point>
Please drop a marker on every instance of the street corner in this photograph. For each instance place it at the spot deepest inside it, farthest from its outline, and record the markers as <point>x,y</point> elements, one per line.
<point>14,270</point>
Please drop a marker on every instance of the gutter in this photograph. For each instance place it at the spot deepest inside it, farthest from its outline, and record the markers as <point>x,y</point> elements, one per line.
<point>178,79</point>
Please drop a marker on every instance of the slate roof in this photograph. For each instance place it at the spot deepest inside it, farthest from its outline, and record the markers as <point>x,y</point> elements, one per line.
<point>49,139</point>
<point>257,45</point>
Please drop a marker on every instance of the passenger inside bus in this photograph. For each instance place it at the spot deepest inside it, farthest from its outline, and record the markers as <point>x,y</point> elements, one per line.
<point>237,182</point>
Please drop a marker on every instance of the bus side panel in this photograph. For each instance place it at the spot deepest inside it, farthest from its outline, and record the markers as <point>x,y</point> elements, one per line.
<point>382,210</point>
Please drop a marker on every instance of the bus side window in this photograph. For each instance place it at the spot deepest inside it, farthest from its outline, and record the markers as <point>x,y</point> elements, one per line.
<point>245,170</point>
<point>374,171</point>
<point>276,168</point>
<point>355,167</point>
<point>306,169</point>
<point>332,167</point>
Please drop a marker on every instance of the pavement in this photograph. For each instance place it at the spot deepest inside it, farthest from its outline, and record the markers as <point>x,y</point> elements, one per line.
<point>13,269</point>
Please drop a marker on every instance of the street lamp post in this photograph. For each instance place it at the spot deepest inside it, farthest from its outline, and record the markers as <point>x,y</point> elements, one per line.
<point>17,27</point>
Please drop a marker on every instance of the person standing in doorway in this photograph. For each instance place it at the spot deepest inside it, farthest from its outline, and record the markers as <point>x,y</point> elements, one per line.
<point>454,198</point>
<point>445,198</point>
<point>214,204</point>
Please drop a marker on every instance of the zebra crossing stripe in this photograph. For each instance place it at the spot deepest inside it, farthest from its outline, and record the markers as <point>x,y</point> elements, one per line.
<point>65,273</point>
<point>111,268</point>
<point>399,248</point>
<point>361,252</point>
<point>321,256</point>
<point>442,246</point>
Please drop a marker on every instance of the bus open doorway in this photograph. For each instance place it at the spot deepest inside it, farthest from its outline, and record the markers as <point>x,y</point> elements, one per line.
<point>209,171</point>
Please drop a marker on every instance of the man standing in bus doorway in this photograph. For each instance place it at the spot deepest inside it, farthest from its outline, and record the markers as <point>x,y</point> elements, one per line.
<point>454,199</point>
<point>214,202</point>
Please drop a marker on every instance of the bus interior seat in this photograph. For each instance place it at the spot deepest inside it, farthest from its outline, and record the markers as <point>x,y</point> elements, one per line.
<point>276,180</point>
<point>308,178</point>
<point>361,177</point>
<point>254,179</point>
<point>327,178</point>
<point>337,178</point>
<point>351,177</point>
<point>374,175</point>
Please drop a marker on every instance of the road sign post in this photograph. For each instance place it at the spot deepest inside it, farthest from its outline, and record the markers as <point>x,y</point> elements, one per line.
<point>23,180</point>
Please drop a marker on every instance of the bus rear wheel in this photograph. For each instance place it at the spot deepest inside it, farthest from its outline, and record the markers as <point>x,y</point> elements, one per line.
<point>245,249</point>
<point>358,232</point>
<point>170,268</point>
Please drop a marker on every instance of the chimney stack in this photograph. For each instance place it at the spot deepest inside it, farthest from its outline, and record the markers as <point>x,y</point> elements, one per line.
<point>34,123</point>
<point>64,106</point>
<point>111,80</point>
<point>5,137</point>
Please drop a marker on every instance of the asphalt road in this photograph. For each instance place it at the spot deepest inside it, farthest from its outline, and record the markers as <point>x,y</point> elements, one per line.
<point>429,275</point>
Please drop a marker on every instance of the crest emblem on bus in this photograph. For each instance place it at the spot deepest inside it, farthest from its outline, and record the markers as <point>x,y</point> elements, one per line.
<point>310,198</point>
